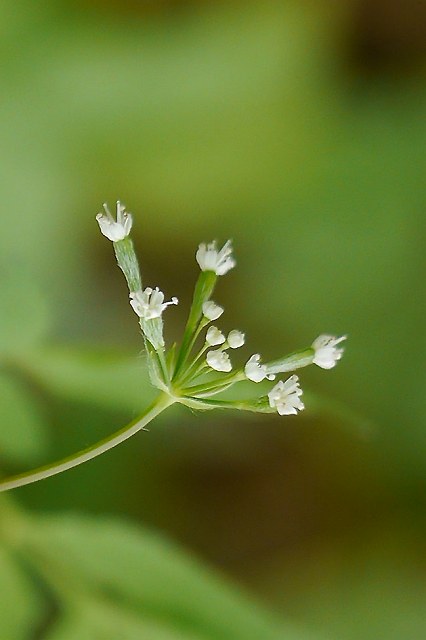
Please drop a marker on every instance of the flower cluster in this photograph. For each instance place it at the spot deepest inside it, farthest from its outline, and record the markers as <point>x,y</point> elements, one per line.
<point>182,373</point>
<point>188,375</point>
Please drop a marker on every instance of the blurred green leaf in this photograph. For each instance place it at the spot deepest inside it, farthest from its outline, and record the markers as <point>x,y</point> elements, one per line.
<point>20,605</point>
<point>23,433</point>
<point>95,621</point>
<point>370,587</point>
<point>145,574</point>
<point>100,377</point>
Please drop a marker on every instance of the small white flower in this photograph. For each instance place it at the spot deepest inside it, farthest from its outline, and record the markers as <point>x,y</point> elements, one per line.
<point>115,230</point>
<point>149,304</point>
<point>285,397</point>
<point>219,360</point>
<point>210,259</point>
<point>211,310</point>
<point>214,337</point>
<point>255,371</point>
<point>326,352</point>
<point>235,339</point>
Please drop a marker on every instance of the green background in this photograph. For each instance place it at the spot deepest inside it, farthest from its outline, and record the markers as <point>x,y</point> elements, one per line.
<point>298,130</point>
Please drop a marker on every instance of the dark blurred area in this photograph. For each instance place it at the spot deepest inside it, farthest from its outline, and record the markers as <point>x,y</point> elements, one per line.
<point>298,129</point>
<point>389,37</point>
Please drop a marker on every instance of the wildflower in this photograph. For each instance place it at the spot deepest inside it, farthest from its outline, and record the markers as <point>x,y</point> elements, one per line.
<point>235,339</point>
<point>211,310</point>
<point>326,353</point>
<point>219,360</point>
<point>285,397</point>
<point>178,373</point>
<point>149,304</point>
<point>210,259</point>
<point>115,230</point>
<point>214,337</point>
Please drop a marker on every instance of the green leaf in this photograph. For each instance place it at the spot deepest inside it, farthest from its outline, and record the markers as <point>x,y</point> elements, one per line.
<point>20,605</point>
<point>23,433</point>
<point>101,621</point>
<point>146,575</point>
<point>104,378</point>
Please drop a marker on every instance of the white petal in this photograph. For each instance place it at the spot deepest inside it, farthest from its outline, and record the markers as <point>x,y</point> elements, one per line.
<point>284,397</point>
<point>219,360</point>
<point>210,259</point>
<point>149,303</point>
<point>211,310</point>
<point>236,339</point>
<point>326,352</point>
<point>253,370</point>
<point>214,337</point>
<point>115,230</point>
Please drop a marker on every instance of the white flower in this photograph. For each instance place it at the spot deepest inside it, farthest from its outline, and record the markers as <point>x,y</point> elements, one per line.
<point>115,230</point>
<point>255,371</point>
<point>210,259</point>
<point>211,310</point>
<point>326,353</point>
<point>149,303</point>
<point>285,397</point>
<point>219,360</point>
<point>235,339</point>
<point>214,337</point>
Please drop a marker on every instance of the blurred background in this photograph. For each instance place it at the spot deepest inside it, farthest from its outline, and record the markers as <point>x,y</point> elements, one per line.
<point>298,129</point>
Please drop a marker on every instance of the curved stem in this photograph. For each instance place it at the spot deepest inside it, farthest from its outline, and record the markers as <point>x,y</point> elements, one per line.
<point>161,403</point>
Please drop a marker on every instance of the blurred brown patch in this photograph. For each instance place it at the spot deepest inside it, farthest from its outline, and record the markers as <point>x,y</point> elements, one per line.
<point>388,36</point>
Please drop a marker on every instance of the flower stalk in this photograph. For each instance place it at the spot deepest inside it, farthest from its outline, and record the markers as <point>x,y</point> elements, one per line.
<point>128,263</point>
<point>158,406</point>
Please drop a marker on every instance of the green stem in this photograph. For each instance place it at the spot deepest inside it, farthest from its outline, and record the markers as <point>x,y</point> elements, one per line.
<point>203,290</point>
<point>128,263</point>
<point>164,367</point>
<point>291,362</point>
<point>235,376</point>
<point>241,405</point>
<point>178,379</point>
<point>195,369</point>
<point>161,403</point>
